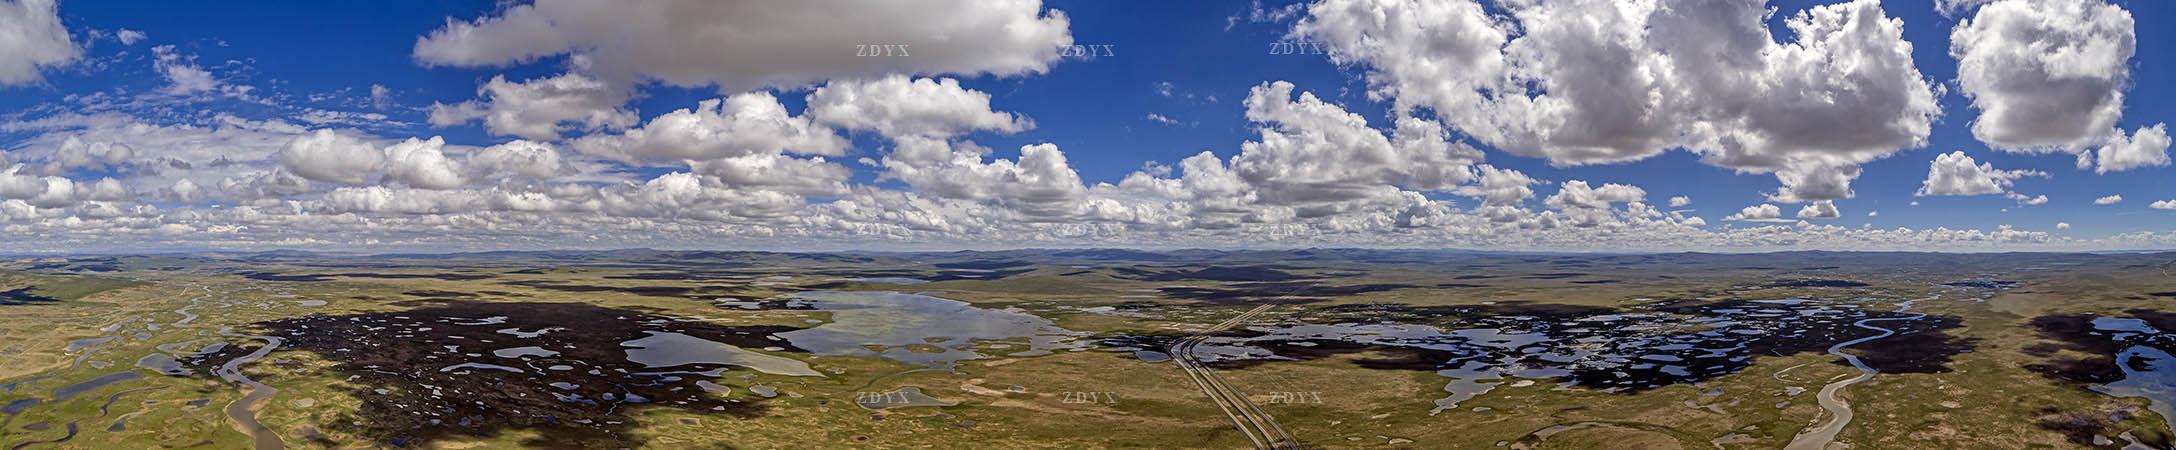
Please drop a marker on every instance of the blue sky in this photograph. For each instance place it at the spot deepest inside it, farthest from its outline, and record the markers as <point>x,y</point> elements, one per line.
<point>1194,63</point>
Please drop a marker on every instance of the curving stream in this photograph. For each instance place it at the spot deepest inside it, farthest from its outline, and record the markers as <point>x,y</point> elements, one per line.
<point>1839,410</point>
<point>188,316</point>
<point>243,411</point>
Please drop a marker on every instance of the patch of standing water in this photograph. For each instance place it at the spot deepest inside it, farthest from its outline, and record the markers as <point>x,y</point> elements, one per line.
<point>518,352</point>
<point>480,366</point>
<point>2148,372</point>
<point>1468,380</point>
<point>93,384</point>
<point>517,332</point>
<point>19,405</point>
<point>493,320</point>
<point>664,349</point>
<point>2156,383</point>
<point>180,349</point>
<point>888,280</point>
<point>80,344</point>
<point>920,329</point>
<point>1608,352</point>
<point>163,364</point>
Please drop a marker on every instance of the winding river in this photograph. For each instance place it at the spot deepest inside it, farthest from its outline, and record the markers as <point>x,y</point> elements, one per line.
<point>1839,410</point>
<point>243,411</point>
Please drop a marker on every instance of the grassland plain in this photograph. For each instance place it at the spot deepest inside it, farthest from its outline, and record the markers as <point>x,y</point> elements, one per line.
<point>1059,349</point>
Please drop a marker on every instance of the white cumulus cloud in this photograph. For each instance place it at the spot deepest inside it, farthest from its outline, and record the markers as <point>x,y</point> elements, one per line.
<point>423,164</point>
<point>538,109</point>
<point>2049,76</point>
<point>2146,148</point>
<point>1824,209</point>
<point>332,157</point>
<point>741,124</point>
<point>896,106</point>
<point>740,45</point>
<point>1583,82</point>
<point>32,39</point>
<point>1955,173</point>
<point>1757,213</point>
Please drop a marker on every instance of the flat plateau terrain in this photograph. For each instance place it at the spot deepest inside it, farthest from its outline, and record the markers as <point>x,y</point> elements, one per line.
<point>1088,349</point>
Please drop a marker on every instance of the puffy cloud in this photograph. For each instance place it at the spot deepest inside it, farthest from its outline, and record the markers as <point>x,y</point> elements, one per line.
<point>150,157</point>
<point>1584,206</point>
<point>1310,151</point>
<point>920,116</point>
<point>742,124</point>
<point>32,39</point>
<point>75,153</point>
<point>738,152</point>
<point>2062,225</point>
<point>1318,166</point>
<point>1600,81</point>
<point>2146,148</point>
<point>43,192</point>
<point>423,164</point>
<point>1204,185</point>
<point>2045,75</point>
<point>331,157</point>
<point>1815,181</point>
<point>184,191</point>
<point>741,45</point>
<point>895,106</point>
<point>269,184</point>
<point>2109,200</point>
<point>539,109</point>
<point>1040,184</point>
<point>381,199</point>
<point>1576,194</point>
<point>1758,213</point>
<point>804,176</point>
<point>1955,173</point>
<point>1680,201</point>
<point>1502,187</point>
<point>1824,209</point>
<point>2164,204</point>
<point>691,196</point>
<point>107,190</point>
<point>17,210</point>
<point>58,192</point>
<point>517,157</point>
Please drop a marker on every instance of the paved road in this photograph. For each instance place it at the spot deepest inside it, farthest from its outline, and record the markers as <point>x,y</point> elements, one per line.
<point>1252,421</point>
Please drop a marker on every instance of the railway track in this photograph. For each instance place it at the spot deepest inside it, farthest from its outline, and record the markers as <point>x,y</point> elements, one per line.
<point>1260,428</point>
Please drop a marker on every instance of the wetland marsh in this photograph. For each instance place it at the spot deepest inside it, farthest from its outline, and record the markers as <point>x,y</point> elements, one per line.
<point>1359,350</point>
